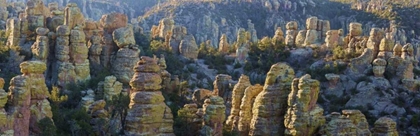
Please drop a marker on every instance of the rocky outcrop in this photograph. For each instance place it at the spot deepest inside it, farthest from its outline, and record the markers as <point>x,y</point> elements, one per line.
<point>109,23</point>
<point>113,21</point>
<point>110,87</point>
<point>188,48</point>
<point>352,122</point>
<point>304,117</point>
<point>270,106</point>
<point>224,46</point>
<point>73,16</point>
<point>28,98</point>
<point>245,114</point>
<point>40,49</point>
<point>360,64</point>
<point>178,33</point>
<point>79,54</point>
<point>375,37</point>
<point>385,126</point>
<point>95,50</point>
<point>187,114</point>
<point>278,37</point>
<point>291,33</point>
<point>99,117</point>
<point>385,48</point>
<point>213,117</point>
<point>378,66</point>
<point>64,70</point>
<point>200,95</point>
<point>147,113</point>
<point>222,88</point>
<point>242,46</point>
<point>237,95</point>
<point>6,121</point>
<point>127,56</point>
<point>333,39</point>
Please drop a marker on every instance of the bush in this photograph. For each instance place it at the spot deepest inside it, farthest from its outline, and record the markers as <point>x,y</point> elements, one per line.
<point>47,127</point>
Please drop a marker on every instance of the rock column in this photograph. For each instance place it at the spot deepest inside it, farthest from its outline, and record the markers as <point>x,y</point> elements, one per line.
<point>126,56</point>
<point>147,113</point>
<point>238,93</point>
<point>270,106</point>
<point>304,117</point>
<point>291,33</point>
<point>214,116</point>
<point>245,115</point>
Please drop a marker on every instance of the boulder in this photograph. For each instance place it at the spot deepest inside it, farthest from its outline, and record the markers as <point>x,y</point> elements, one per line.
<point>124,37</point>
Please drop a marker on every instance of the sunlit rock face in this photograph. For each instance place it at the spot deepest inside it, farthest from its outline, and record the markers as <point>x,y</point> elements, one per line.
<point>214,116</point>
<point>237,95</point>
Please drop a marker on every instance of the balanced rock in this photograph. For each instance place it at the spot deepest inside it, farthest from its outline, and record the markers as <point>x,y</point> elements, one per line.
<point>113,21</point>
<point>124,36</point>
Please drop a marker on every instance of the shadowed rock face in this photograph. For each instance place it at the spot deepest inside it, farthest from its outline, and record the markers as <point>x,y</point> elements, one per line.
<point>147,113</point>
<point>270,106</point>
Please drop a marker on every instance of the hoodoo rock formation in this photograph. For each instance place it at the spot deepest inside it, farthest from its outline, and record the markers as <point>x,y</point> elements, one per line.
<point>270,105</point>
<point>147,113</point>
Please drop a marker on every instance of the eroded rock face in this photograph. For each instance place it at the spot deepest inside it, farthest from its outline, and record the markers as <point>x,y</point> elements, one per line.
<point>147,113</point>
<point>385,48</point>
<point>304,117</point>
<point>385,126</point>
<point>213,117</point>
<point>245,114</point>
<point>270,106</point>
<point>237,95</point>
